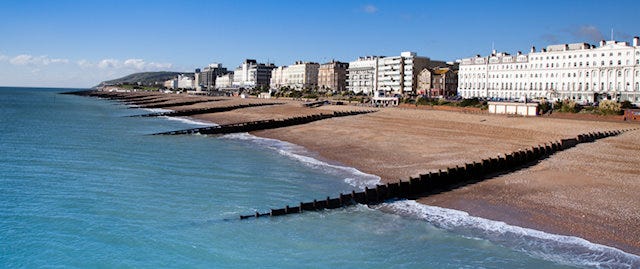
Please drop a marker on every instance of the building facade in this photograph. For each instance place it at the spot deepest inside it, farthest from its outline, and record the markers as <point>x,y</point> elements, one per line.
<point>278,77</point>
<point>438,82</point>
<point>185,82</point>
<point>398,75</point>
<point>332,76</point>
<point>252,74</point>
<point>171,84</point>
<point>362,75</point>
<point>301,75</point>
<point>224,81</point>
<point>209,74</point>
<point>197,80</point>
<point>579,71</point>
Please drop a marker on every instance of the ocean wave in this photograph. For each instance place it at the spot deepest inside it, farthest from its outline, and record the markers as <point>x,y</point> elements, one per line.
<point>351,176</point>
<point>189,121</point>
<point>157,110</point>
<point>567,250</point>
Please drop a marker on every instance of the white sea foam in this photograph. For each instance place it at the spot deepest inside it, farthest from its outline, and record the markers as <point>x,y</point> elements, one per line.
<point>189,121</point>
<point>568,250</point>
<point>351,175</point>
<point>157,110</point>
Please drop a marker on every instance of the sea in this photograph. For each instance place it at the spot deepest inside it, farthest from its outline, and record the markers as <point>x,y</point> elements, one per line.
<point>84,185</point>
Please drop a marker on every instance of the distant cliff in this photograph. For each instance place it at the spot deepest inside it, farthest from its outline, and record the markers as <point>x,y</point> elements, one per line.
<point>144,78</point>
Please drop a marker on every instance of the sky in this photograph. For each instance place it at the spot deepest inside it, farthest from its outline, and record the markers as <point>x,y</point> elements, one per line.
<point>76,44</point>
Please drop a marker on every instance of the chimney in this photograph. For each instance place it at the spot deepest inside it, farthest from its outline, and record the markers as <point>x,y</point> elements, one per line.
<point>636,40</point>
<point>601,43</point>
<point>519,53</point>
<point>533,49</point>
<point>493,52</point>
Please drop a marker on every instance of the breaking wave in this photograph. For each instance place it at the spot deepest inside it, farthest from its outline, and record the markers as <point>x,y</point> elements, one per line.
<point>567,250</point>
<point>352,176</point>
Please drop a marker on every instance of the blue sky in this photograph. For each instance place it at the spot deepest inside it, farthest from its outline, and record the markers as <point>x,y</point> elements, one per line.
<point>80,43</point>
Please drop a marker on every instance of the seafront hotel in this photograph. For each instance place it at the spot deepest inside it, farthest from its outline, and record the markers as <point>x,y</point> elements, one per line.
<point>579,71</point>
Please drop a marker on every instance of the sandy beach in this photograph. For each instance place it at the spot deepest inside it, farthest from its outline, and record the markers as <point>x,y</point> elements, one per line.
<point>590,191</point>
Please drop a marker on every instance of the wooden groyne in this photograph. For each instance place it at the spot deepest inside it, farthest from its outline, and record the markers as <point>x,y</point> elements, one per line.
<point>191,112</point>
<point>163,104</point>
<point>263,124</point>
<point>442,180</point>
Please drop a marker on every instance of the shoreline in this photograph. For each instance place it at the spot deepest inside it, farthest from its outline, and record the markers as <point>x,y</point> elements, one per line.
<point>398,143</point>
<point>477,201</point>
<point>542,236</point>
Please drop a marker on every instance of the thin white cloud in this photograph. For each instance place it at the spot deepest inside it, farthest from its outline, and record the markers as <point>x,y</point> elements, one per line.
<point>26,59</point>
<point>134,63</point>
<point>85,64</point>
<point>370,9</point>
<point>129,64</point>
<point>30,70</point>
<point>140,64</point>
<point>588,32</point>
<point>109,63</point>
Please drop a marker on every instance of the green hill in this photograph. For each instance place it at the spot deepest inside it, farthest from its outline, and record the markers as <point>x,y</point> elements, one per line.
<point>145,78</point>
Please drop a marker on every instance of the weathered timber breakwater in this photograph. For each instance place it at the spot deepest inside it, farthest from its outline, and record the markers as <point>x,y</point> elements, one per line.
<point>263,124</point>
<point>442,180</point>
<point>191,112</point>
<point>153,104</point>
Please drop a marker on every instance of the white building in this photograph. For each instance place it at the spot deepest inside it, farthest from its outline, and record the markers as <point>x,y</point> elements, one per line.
<point>171,84</point>
<point>362,75</point>
<point>278,77</point>
<point>399,74</point>
<point>224,81</point>
<point>207,78</point>
<point>185,82</point>
<point>580,72</point>
<point>301,75</point>
<point>251,74</point>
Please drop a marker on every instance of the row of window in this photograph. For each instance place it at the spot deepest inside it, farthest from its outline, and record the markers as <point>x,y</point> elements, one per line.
<point>552,86</point>
<point>468,94</point>
<point>593,73</point>
<point>586,55</point>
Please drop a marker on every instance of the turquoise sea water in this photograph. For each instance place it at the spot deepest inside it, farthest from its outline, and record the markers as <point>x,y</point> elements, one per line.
<point>83,186</point>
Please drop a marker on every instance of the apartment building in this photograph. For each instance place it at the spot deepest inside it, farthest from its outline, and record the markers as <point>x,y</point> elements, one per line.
<point>332,76</point>
<point>252,74</point>
<point>301,75</point>
<point>362,75</point>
